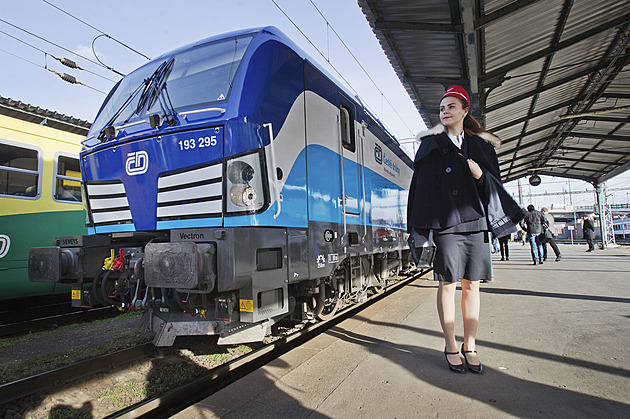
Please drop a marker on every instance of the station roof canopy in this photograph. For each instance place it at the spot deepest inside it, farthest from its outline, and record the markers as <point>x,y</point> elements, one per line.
<point>550,78</point>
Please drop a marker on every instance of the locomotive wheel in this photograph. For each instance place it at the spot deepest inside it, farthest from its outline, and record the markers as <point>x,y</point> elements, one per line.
<point>380,288</point>
<point>327,303</point>
<point>378,284</point>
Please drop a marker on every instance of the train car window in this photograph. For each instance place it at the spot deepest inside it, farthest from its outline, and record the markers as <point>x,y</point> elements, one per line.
<point>347,127</point>
<point>19,175</point>
<point>68,179</point>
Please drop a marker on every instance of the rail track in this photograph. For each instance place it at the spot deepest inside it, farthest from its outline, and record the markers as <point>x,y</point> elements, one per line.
<point>177,399</point>
<point>22,309</point>
<point>46,320</point>
<point>183,396</point>
<point>30,385</point>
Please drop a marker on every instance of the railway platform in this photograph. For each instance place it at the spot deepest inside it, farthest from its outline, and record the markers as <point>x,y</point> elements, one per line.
<point>553,340</point>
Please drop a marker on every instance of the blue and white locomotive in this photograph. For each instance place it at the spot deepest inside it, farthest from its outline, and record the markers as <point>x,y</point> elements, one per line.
<point>229,184</point>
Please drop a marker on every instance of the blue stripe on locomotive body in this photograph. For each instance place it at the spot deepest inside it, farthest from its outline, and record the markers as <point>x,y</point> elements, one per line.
<point>276,89</point>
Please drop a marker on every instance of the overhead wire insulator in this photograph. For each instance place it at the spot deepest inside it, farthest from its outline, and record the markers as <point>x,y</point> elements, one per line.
<point>67,62</point>
<point>66,77</point>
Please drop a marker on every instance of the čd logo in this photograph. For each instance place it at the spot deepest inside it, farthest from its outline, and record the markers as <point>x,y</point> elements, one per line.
<point>5,244</point>
<point>137,163</point>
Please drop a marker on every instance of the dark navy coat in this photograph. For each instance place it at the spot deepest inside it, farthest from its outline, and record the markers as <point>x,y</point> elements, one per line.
<point>443,192</point>
<point>588,229</point>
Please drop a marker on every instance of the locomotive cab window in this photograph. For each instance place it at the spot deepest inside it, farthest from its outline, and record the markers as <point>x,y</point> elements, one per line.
<point>68,179</point>
<point>19,171</point>
<point>347,127</point>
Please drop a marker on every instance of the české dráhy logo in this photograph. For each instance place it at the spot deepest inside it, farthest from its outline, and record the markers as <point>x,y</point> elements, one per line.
<point>137,163</point>
<point>5,244</point>
<point>378,154</point>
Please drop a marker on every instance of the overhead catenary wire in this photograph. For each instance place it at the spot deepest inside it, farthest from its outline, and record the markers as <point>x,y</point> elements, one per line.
<point>66,77</point>
<point>360,65</point>
<point>330,63</point>
<point>65,61</point>
<point>63,48</point>
<point>96,29</point>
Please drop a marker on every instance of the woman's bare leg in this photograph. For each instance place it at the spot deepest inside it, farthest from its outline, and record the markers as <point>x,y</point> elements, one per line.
<point>470,312</point>
<point>446,312</point>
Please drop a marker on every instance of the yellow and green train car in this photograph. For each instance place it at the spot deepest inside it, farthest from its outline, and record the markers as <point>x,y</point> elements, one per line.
<point>40,191</point>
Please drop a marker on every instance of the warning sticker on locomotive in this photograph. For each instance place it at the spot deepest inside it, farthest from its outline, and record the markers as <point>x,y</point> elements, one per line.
<point>321,261</point>
<point>76,294</point>
<point>246,305</point>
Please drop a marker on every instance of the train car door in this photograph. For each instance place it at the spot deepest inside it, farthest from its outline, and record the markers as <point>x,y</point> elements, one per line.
<point>350,168</point>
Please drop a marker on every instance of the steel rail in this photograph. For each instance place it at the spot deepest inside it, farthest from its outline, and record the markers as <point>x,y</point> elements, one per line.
<point>40,382</point>
<point>179,398</point>
<point>45,322</point>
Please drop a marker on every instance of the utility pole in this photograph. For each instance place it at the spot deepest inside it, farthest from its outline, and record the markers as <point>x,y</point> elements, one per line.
<point>605,217</point>
<point>573,208</point>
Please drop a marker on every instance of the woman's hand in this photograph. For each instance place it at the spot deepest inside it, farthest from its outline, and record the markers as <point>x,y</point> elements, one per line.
<point>475,169</point>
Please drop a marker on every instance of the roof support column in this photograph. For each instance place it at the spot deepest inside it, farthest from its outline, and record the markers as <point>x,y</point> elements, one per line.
<point>605,217</point>
<point>470,45</point>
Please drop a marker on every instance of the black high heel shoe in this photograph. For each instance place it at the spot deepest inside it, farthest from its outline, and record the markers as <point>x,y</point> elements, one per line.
<point>461,368</point>
<point>477,369</point>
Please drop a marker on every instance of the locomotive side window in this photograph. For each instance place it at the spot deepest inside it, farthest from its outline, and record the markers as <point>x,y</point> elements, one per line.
<point>19,175</point>
<point>68,179</point>
<point>347,127</point>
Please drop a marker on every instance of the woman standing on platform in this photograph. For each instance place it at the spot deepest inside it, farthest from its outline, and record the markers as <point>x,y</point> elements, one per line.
<point>445,196</point>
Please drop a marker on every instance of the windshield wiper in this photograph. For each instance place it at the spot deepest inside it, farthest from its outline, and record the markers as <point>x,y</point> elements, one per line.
<point>108,131</point>
<point>155,89</point>
<point>150,90</point>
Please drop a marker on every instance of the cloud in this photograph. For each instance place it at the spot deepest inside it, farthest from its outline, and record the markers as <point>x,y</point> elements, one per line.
<point>85,51</point>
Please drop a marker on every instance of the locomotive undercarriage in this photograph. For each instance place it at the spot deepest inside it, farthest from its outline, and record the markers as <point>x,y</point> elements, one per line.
<point>232,282</point>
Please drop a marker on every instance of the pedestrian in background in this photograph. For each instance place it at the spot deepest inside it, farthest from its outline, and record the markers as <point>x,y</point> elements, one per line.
<point>495,244</point>
<point>532,224</point>
<point>588,231</point>
<point>522,236</point>
<point>548,236</point>
<point>503,245</point>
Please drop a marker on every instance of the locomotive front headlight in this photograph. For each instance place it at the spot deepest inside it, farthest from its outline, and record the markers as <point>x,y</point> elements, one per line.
<point>245,184</point>
<point>243,195</point>
<point>240,172</point>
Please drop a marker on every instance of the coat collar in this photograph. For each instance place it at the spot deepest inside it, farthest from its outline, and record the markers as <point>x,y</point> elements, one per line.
<point>439,129</point>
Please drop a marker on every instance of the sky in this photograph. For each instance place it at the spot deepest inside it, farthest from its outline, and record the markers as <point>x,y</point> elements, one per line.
<point>157,26</point>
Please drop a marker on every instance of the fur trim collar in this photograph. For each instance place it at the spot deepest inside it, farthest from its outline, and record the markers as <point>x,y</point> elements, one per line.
<point>490,138</point>
<point>439,128</point>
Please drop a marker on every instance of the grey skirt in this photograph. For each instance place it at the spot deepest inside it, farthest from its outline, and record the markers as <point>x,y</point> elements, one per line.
<point>461,255</point>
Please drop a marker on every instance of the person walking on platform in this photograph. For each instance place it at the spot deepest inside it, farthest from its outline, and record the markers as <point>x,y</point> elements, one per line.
<point>505,250</point>
<point>533,225</point>
<point>588,231</point>
<point>548,236</point>
<point>450,169</point>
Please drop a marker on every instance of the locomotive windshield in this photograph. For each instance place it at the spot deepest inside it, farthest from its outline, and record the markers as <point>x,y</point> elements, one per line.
<point>199,76</point>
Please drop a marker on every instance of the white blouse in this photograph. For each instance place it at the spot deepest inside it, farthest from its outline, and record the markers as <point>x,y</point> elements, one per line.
<point>457,139</point>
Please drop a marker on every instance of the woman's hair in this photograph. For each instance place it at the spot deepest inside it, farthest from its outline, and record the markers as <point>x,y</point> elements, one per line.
<point>471,126</point>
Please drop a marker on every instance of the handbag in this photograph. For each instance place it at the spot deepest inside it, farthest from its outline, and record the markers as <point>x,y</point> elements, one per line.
<point>422,247</point>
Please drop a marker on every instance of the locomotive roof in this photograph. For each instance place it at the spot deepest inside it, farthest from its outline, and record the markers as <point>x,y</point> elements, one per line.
<point>280,36</point>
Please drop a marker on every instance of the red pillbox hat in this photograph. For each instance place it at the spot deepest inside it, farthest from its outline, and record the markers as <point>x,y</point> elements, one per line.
<point>457,91</point>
